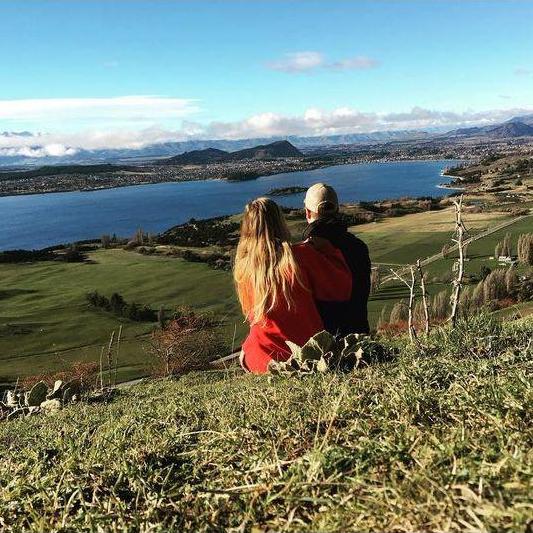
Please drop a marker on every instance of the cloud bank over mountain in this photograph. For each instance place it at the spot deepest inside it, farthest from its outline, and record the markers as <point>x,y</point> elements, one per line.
<point>132,122</point>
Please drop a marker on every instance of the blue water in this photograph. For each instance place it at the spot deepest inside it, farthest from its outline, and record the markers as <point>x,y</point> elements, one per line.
<point>40,220</point>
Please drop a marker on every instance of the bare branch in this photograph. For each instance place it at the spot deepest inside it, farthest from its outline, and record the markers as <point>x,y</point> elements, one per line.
<point>460,231</point>
<point>424,295</point>
<point>411,286</point>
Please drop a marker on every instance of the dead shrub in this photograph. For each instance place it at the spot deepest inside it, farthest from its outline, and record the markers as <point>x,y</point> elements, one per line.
<point>84,372</point>
<point>188,342</point>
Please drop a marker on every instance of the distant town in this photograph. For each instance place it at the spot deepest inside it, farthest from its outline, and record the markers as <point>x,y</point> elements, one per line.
<point>472,144</point>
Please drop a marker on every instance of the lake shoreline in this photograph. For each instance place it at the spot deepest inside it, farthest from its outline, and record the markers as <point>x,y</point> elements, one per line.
<point>37,221</point>
<point>214,179</point>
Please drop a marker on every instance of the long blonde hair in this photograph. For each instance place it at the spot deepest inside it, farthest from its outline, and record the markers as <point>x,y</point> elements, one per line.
<point>265,269</point>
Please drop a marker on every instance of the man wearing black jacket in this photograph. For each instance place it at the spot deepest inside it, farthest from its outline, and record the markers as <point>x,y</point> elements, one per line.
<point>322,213</point>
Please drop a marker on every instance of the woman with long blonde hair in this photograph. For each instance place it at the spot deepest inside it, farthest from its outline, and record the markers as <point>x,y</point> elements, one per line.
<point>277,283</point>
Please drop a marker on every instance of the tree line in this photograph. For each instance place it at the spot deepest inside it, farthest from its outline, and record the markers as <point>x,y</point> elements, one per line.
<point>117,305</point>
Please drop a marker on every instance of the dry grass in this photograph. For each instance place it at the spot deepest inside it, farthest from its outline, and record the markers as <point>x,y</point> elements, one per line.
<point>431,221</point>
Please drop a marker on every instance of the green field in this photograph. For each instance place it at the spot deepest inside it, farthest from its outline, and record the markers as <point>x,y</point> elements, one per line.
<point>45,322</point>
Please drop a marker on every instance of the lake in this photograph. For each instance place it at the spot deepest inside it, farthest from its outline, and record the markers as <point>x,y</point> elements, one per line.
<point>40,220</point>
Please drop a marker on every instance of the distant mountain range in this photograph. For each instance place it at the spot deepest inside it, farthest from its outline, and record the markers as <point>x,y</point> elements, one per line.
<point>218,149</point>
<point>169,149</point>
<point>275,150</point>
<point>515,127</point>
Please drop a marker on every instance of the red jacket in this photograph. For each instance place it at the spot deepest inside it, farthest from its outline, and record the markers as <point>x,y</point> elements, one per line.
<point>325,273</point>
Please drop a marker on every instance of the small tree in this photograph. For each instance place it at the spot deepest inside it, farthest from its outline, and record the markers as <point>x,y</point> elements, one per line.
<point>375,280</point>
<point>465,301</point>
<point>425,300</point>
<point>478,295</point>
<point>494,287</point>
<point>506,245</point>
<point>459,240</point>
<point>511,281</point>
<point>410,284</point>
<point>105,241</point>
<point>188,342</point>
<point>525,248</point>
<point>439,306</point>
<point>117,303</point>
<point>484,271</point>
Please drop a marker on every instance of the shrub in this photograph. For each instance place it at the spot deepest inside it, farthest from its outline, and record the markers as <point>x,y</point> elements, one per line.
<point>187,342</point>
<point>86,373</point>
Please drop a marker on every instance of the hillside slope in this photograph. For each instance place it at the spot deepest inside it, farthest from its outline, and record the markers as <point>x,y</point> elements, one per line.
<point>275,150</point>
<point>438,442</point>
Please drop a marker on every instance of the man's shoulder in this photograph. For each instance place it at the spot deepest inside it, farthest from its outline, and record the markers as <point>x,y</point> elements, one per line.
<point>356,242</point>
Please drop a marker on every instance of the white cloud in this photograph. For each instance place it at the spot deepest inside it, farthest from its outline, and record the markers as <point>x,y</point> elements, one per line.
<point>54,111</point>
<point>298,62</point>
<point>313,121</point>
<point>316,121</point>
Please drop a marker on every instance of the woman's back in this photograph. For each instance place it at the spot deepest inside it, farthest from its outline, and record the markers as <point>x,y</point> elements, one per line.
<point>325,276</point>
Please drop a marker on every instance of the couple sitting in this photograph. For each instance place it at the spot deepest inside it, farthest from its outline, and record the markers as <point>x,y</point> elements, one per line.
<point>293,291</point>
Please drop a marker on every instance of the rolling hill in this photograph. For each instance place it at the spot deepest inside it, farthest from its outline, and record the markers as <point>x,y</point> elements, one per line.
<point>275,150</point>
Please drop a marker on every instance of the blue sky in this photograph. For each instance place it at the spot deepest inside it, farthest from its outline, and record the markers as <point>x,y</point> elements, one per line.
<point>236,69</point>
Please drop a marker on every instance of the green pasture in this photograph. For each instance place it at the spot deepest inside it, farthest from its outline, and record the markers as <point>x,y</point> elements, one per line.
<point>45,322</point>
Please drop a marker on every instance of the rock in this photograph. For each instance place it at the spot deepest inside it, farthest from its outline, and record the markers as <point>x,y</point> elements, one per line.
<point>37,394</point>
<point>74,385</point>
<point>57,391</point>
<point>51,406</point>
<point>11,399</point>
<point>67,395</point>
<point>21,411</point>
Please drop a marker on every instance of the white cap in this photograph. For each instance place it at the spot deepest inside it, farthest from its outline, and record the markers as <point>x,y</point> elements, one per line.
<point>321,199</point>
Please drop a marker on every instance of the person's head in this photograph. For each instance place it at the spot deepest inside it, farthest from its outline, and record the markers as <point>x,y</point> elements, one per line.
<point>320,202</point>
<point>265,268</point>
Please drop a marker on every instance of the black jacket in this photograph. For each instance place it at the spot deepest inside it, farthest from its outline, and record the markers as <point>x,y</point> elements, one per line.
<point>342,318</point>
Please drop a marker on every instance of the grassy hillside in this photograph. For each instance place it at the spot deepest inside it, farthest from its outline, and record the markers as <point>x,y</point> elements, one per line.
<point>45,322</point>
<point>440,441</point>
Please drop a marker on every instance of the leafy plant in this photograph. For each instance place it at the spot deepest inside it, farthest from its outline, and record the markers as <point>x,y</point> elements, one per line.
<point>323,352</point>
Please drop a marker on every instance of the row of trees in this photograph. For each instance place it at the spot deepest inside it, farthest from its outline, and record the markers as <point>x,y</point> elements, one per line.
<point>504,247</point>
<point>118,306</point>
<point>498,289</point>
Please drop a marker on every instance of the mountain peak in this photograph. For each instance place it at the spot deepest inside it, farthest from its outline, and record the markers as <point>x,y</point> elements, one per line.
<point>274,150</point>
